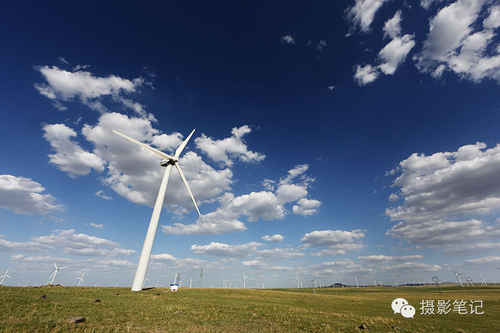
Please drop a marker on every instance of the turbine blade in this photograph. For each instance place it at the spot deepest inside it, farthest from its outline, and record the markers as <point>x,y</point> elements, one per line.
<point>187,186</point>
<point>63,267</point>
<point>55,265</point>
<point>179,149</point>
<point>156,151</point>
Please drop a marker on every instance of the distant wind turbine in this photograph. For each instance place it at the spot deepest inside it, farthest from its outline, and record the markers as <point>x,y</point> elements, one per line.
<point>53,275</point>
<point>190,282</point>
<point>80,279</point>
<point>167,162</point>
<point>356,279</point>
<point>458,277</point>
<point>482,280</point>
<point>4,276</point>
<point>244,279</point>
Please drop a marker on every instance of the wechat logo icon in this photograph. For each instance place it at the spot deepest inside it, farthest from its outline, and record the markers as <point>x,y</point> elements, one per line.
<point>400,305</point>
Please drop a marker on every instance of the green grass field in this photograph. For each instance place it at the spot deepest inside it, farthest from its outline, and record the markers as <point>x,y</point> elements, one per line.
<point>237,310</point>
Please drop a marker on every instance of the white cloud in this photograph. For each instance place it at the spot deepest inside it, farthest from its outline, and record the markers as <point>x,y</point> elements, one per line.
<point>69,156</point>
<point>336,241</point>
<point>383,258</point>
<point>363,12</point>
<point>229,149</point>
<point>279,254</point>
<point>321,45</point>
<point>492,260</point>
<point>465,181</point>
<point>306,207</point>
<point>84,87</point>
<point>225,250</point>
<point>287,39</point>
<point>394,53</point>
<point>454,43</point>
<point>163,257</point>
<point>392,27</point>
<point>101,194</point>
<point>95,225</point>
<point>113,263</point>
<point>69,239</point>
<point>440,233</point>
<point>276,238</point>
<point>23,195</point>
<point>255,205</point>
<point>426,4</point>
<point>493,19</point>
<point>391,56</point>
<point>6,245</point>
<point>17,257</point>
<point>219,222</point>
<point>365,74</point>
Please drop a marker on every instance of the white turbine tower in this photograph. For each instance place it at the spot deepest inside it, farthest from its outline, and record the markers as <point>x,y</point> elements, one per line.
<point>80,279</point>
<point>244,279</point>
<point>4,276</point>
<point>190,282</point>
<point>482,280</point>
<point>356,279</point>
<point>458,278</point>
<point>53,275</point>
<point>167,162</point>
<point>298,280</point>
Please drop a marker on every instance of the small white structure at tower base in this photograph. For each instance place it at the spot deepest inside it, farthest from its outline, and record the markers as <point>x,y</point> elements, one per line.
<point>174,287</point>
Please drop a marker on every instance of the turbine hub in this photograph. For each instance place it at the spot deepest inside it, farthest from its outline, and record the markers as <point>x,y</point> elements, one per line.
<point>164,163</point>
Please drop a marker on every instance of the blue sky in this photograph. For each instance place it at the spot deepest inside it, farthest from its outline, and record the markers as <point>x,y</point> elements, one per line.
<point>334,141</point>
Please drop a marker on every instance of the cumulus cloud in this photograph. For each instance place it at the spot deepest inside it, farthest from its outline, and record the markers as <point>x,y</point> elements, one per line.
<point>390,57</point>
<point>335,241</point>
<point>267,205</point>
<point>69,156</point>
<point>69,239</point>
<point>101,194</point>
<point>392,27</point>
<point>460,42</point>
<point>394,53</point>
<point>287,39</point>
<point>88,89</point>
<point>163,257</point>
<point>306,207</point>
<point>24,196</point>
<point>362,13</point>
<point>95,225</point>
<point>276,238</point>
<point>365,74</point>
<point>229,149</point>
<point>279,254</point>
<point>224,250</point>
<point>383,258</point>
<point>441,187</point>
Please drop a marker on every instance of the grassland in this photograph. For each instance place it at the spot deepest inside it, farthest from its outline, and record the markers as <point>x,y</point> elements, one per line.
<point>237,310</point>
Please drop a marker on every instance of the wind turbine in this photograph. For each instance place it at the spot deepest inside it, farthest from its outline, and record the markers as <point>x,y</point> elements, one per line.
<point>80,279</point>
<point>167,162</point>
<point>356,279</point>
<point>458,277</point>
<point>4,276</point>
<point>53,275</point>
<point>201,279</point>
<point>297,279</point>
<point>244,279</point>
<point>190,282</point>
<point>482,279</point>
